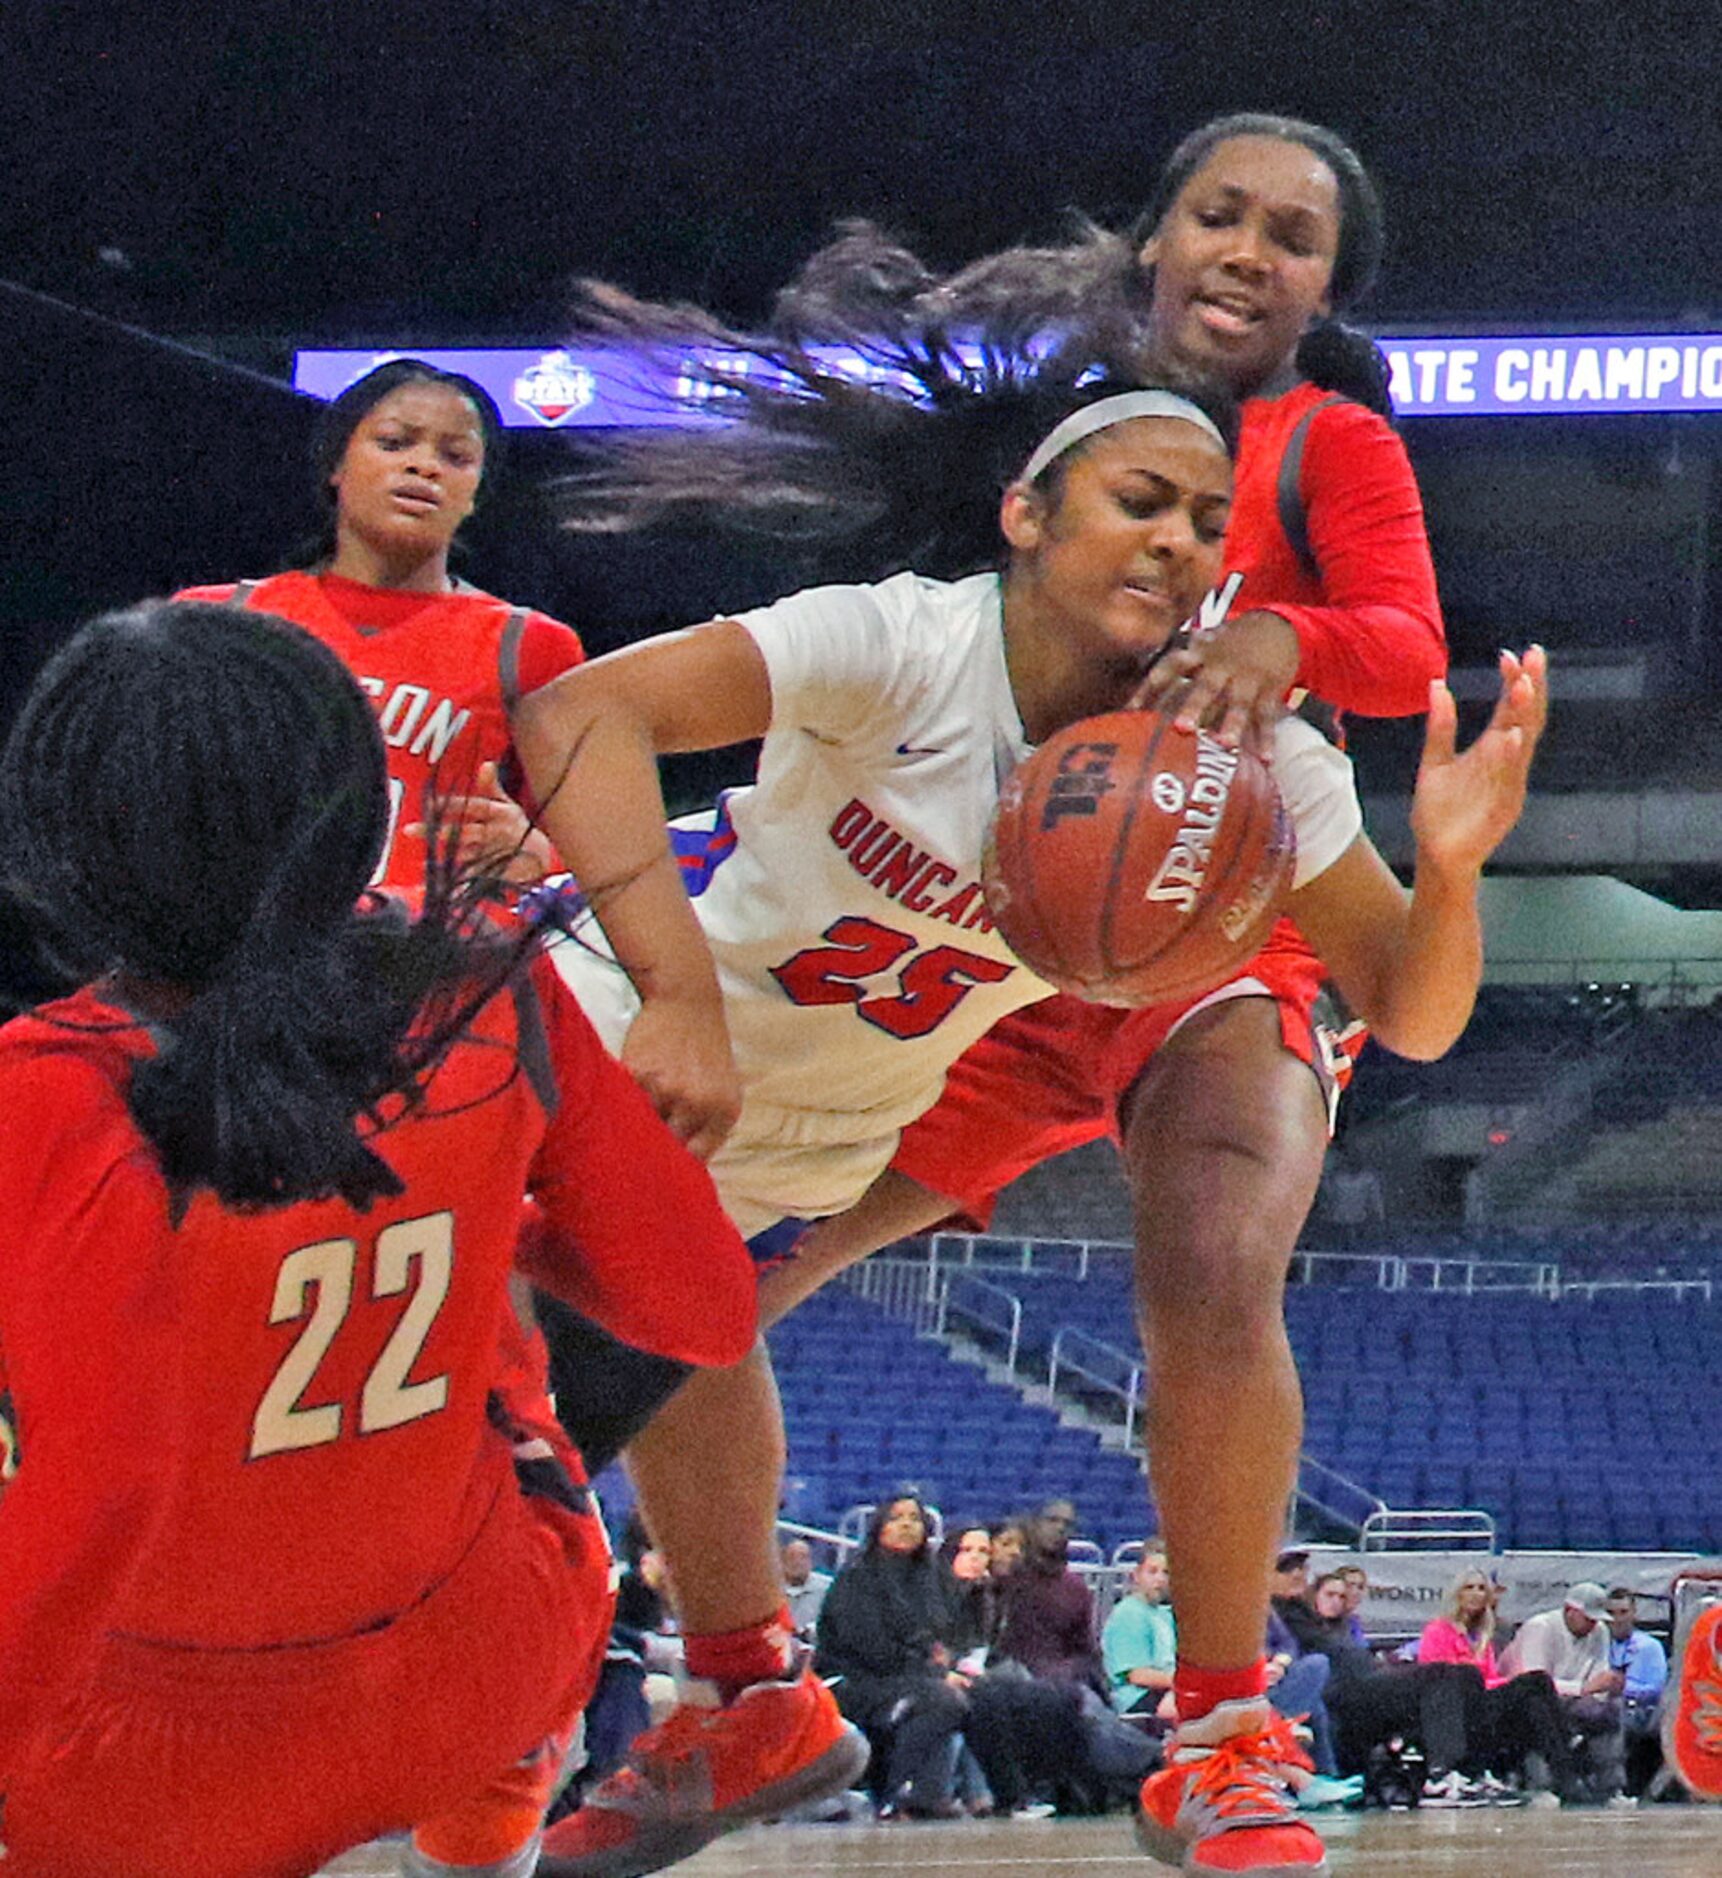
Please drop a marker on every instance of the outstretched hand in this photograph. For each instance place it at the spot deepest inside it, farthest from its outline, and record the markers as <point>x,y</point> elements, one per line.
<point>1230,680</point>
<point>495,832</point>
<point>1466,804</point>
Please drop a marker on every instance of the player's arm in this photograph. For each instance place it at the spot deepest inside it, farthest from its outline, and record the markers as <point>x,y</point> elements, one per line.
<point>1410,964</point>
<point>629,1230</point>
<point>589,742</point>
<point>96,1365</point>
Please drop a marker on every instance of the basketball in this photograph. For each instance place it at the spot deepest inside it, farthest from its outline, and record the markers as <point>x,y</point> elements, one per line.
<point>1131,862</point>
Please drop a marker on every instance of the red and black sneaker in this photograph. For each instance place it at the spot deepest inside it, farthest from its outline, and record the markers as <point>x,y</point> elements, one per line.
<point>1692,1711</point>
<point>1226,1800</point>
<point>702,1772</point>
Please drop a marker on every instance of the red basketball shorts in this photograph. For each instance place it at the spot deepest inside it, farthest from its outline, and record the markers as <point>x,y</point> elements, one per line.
<point>1052,1076</point>
<point>193,1763</point>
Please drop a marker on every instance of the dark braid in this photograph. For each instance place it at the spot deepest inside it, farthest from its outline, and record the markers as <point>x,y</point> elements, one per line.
<point>899,467</point>
<point>195,796</point>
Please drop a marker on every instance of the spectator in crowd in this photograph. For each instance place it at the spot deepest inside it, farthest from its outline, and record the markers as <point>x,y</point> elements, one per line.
<point>881,1633</point>
<point>1464,1729</point>
<point>1641,1664</point>
<point>973,1597</point>
<point>1049,1616</point>
<point>1139,1644</point>
<point>976,1598</point>
<point>1570,1646</point>
<point>1356,1590</point>
<point>804,1589</point>
<point>1010,1539</point>
<point>1465,1630</point>
<point>1290,1585</point>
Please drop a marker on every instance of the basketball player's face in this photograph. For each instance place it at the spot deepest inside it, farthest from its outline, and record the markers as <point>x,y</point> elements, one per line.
<point>1133,542</point>
<point>410,473</point>
<point>1243,259</point>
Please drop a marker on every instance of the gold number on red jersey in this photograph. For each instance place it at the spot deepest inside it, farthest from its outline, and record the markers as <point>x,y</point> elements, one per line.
<point>388,1400</point>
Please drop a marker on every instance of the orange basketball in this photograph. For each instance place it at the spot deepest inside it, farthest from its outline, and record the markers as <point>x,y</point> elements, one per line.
<point>1134,863</point>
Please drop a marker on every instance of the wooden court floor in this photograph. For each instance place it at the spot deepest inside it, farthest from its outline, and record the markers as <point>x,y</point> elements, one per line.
<point>1655,1842</point>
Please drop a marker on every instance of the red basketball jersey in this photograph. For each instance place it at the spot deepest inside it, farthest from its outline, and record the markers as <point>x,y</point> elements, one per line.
<point>246,1430</point>
<point>443,671</point>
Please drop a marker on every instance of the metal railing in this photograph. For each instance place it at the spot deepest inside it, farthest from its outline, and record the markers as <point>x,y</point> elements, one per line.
<point>910,1289</point>
<point>984,1306</point>
<point>1336,1496</point>
<point>1103,1368</point>
<point>1072,1257</point>
<point>1675,1288</point>
<point>1449,1528</point>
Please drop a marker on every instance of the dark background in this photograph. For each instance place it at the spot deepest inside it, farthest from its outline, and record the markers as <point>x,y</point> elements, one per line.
<point>408,174</point>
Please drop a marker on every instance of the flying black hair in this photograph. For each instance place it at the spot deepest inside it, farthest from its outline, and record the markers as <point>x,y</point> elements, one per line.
<point>1096,278</point>
<point>876,422</point>
<point>195,797</point>
<point>342,415</point>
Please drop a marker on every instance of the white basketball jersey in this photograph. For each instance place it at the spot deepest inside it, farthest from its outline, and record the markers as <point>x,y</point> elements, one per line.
<point>853,948</point>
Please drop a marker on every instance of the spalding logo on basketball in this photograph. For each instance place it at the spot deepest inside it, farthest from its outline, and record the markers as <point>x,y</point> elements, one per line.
<point>1134,863</point>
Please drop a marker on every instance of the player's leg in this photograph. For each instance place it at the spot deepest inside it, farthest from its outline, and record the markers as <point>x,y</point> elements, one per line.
<point>894,1207</point>
<point>1224,1135</point>
<point>756,1733</point>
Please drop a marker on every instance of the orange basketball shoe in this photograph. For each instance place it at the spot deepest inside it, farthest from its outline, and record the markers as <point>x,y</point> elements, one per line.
<point>704,1771</point>
<point>1224,1803</point>
<point>1692,1713</point>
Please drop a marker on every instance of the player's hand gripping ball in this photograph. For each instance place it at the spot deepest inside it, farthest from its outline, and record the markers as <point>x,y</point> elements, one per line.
<point>1131,862</point>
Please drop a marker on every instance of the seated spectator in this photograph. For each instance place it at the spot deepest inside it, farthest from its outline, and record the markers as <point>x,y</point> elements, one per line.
<point>1356,1590</point>
<point>976,1598</point>
<point>1570,1645</point>
<point>1049,1615</point>
<point>1465,1630</point>
<point>1439,1704</point>
<point>804,1589</point>
<point>973,1597</point>
<point>1139,1644</point>
<point>1010,1538</point>
<point>1290,1586</point>
<point>881,1635</point>
<point>1641,1663</point>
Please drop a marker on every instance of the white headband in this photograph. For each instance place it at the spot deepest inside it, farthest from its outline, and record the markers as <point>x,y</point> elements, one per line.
<point>1103,413</point>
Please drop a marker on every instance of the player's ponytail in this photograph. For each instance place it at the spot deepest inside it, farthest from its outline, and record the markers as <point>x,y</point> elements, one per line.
<point>1345,359</point>
<point>194,799</point>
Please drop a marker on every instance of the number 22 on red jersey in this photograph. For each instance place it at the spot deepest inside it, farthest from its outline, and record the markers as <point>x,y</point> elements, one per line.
<point>414,1258</point>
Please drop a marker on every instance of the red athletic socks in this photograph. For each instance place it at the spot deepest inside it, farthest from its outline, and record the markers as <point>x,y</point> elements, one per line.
<point>1198,1690</point>
<point>736,1659</point>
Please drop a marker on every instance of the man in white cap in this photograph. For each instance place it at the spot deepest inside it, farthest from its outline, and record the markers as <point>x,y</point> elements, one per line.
<point>1570,1645</point>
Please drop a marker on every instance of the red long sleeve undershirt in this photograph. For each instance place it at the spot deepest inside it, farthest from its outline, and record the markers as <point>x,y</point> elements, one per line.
<point>1370,625</point>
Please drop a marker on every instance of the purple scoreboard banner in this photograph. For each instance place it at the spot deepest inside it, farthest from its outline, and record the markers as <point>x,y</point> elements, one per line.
<point>1527,375</point>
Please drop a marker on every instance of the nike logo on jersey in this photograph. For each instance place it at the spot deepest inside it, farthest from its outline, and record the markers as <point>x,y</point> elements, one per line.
<point>919,749</point>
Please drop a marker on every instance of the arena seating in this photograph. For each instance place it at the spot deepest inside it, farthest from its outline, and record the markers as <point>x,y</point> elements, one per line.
<point>869,1406</point>
<point>1578,1423</point>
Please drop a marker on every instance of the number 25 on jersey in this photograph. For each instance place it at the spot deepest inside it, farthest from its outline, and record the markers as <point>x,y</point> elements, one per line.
<point>413,1256</point>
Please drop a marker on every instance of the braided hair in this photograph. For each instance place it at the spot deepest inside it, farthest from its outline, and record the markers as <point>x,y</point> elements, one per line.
<point>875,424</point>
<point>195,797</point>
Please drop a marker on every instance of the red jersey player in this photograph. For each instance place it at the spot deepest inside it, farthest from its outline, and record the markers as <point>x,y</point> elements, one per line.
<point>262,1177</point>
<point>399,460</point>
